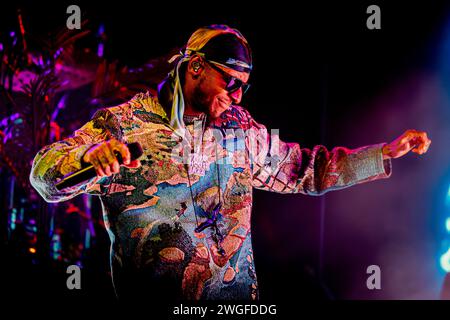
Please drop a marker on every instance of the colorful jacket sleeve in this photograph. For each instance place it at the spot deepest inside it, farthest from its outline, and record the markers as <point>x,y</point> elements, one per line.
<point>63,157</point>
<point>287,168</point>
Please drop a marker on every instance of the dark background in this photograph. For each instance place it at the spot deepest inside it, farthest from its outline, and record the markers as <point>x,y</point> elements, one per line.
<point>321,77</point>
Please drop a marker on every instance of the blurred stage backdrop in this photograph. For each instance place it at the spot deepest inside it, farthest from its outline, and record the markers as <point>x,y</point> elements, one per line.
<point>320,76</point>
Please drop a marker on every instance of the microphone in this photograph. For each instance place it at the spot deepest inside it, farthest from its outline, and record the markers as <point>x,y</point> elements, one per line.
<point>89,172</point>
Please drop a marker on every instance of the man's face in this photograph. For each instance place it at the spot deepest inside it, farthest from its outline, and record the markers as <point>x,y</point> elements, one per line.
<point>210,94</point>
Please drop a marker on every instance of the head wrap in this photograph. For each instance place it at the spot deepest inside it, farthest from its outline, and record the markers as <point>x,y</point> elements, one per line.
<point>217,43</point>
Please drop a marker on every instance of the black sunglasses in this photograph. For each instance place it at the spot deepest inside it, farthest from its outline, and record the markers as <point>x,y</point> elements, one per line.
<point>233,84</point>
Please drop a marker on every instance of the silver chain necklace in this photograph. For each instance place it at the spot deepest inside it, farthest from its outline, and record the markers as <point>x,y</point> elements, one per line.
<point>213,215</point>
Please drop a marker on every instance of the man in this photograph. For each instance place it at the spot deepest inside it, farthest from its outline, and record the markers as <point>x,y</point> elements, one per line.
<point>179,216</point>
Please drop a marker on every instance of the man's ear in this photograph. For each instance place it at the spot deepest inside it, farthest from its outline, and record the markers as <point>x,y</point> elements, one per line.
<point>195,66</point>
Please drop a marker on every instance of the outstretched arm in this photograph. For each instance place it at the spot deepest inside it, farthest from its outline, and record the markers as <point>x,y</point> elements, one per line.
<point>287,168</point>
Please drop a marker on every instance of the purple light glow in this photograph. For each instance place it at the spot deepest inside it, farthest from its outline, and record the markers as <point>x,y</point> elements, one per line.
<point>100,50</point>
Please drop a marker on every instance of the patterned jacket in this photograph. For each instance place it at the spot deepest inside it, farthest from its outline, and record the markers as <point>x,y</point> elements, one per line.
<point>151,212</point>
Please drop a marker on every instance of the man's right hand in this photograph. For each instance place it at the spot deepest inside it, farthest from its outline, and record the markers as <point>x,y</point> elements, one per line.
<point>105,162</point>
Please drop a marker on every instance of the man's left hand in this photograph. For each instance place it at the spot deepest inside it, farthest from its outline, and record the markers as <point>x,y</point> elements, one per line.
<point>411,140</point>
